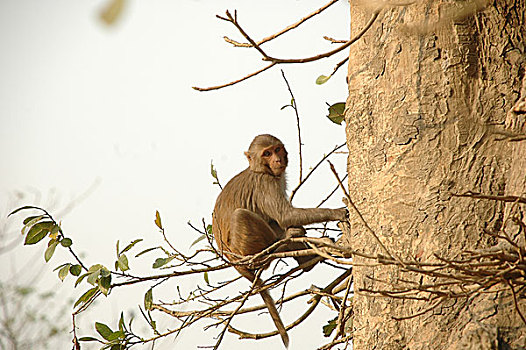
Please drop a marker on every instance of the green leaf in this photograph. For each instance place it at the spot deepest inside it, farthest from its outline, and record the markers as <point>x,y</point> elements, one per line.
<point>55,230</point>
<point>31,220</point>
<point>86,296</point>
<point>30,223</point>
<point>61,266</point>
<point>322,79</point>
<point>123,262</point>
<point>213,171</point>
<point>130,246</point>
<point>103,330</point>
<point>116,335</point>
<point>105,284</point>
<point>205,276</point>
<point>23,208</point>
<point>198,240</point>
<point>104,272</point>
<point>93,273</point>
<point>66,242</point>
<point>77,282</point>
<point>118,347</point>
<point>121,322</point>
<point>148,299</point>
<point>88,339</point>
<point>75,270</point>
<point>337,113</point>
<point>329,327</point>
<point>50,250</point>
<point>145,251</point>
<point>92,278</point>
<point>63,272</point>
<point>158,220</point>
<point>96,267</point>
<point>162,261</point>
<point>38,232</point>
<point>24,291</point>
<point>209,230</point>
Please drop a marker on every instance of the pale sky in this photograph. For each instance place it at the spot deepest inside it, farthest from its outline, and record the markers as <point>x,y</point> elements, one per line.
<point>82,103</point>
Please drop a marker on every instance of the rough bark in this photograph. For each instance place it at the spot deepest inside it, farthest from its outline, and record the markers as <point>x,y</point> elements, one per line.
<point>429,99</point>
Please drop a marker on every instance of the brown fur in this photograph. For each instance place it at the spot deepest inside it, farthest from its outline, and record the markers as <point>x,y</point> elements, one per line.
<point>253,212</point>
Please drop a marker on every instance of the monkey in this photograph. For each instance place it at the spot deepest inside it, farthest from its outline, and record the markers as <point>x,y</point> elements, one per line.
<point>252,212</point>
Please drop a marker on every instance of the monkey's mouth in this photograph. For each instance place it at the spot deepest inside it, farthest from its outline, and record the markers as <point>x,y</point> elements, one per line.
<point>278,170</point>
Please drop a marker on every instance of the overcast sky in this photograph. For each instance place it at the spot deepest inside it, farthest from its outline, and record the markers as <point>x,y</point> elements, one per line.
<point>84,105</point>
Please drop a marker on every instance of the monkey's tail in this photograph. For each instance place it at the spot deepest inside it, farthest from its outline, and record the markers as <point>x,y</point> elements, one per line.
<point>271,306</point>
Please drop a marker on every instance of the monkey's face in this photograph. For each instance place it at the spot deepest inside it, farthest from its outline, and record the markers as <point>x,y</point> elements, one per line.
<point>275,159</point>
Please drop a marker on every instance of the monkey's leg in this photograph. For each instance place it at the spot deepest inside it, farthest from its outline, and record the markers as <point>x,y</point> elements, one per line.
<point>250,233</point>
<point>300,232</point>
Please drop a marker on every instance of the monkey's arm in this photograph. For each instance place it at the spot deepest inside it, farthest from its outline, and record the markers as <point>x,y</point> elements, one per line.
<point>305,216</point>
<point>269,199</point>
<point>287,216</point>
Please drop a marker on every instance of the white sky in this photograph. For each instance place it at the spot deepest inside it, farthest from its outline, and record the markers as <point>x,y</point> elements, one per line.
<point>81,103</point>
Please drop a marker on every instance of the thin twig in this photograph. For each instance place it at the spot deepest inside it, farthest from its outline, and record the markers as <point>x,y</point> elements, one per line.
<point>293,193</point>
<point>229,319</point>
<point>336,342</point>
<point>334,41</point>
<point>315,301</point>
<point>328,53</point>
<point>171,246</point>
<point>295,107</point>
<point>343,307</point>
<point>332,192</point>
<point>341,63</point>
<point>234,21</point>
<point>173,274</point>
<point>274,61</point>
<point>515,302</point>
<point>362,220</point>
<point>431,308</point>
<point>283,31</point>
<point>235,81</point>
<point>509,199</point>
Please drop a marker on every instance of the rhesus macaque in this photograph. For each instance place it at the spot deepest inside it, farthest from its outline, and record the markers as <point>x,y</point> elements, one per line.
<point>252,212</point>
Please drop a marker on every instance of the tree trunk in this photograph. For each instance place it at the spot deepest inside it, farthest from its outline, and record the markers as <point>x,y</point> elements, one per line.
<point>432,87</point>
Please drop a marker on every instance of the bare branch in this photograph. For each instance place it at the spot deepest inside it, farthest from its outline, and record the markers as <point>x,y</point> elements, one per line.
<point>509,199</point>
<point>362,220</point>
<point>283,31</point>
<point>334,41</point>
<point>235,81</point>
<point>340,323</point>
<point>516,303</point>
<point>314,304</point>
<point>293,193</point>
<point>233,313</point>
<point>233,20</point>
<point>295,107</point>
<point>328,53</point>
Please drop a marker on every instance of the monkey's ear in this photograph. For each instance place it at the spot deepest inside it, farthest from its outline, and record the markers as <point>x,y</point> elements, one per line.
<point>247,154</point>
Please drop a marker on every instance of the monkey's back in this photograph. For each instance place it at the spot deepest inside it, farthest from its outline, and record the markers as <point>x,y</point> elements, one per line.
<point>246,190</point>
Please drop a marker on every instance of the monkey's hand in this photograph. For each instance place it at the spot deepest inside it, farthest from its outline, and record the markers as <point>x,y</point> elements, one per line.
<point>295,232</point>
<point>345,201</point>
<point>343,214</point>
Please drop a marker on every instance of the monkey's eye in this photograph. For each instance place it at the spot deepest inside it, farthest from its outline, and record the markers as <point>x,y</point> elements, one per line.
<point>266,154</point>
<point>278,149</point>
